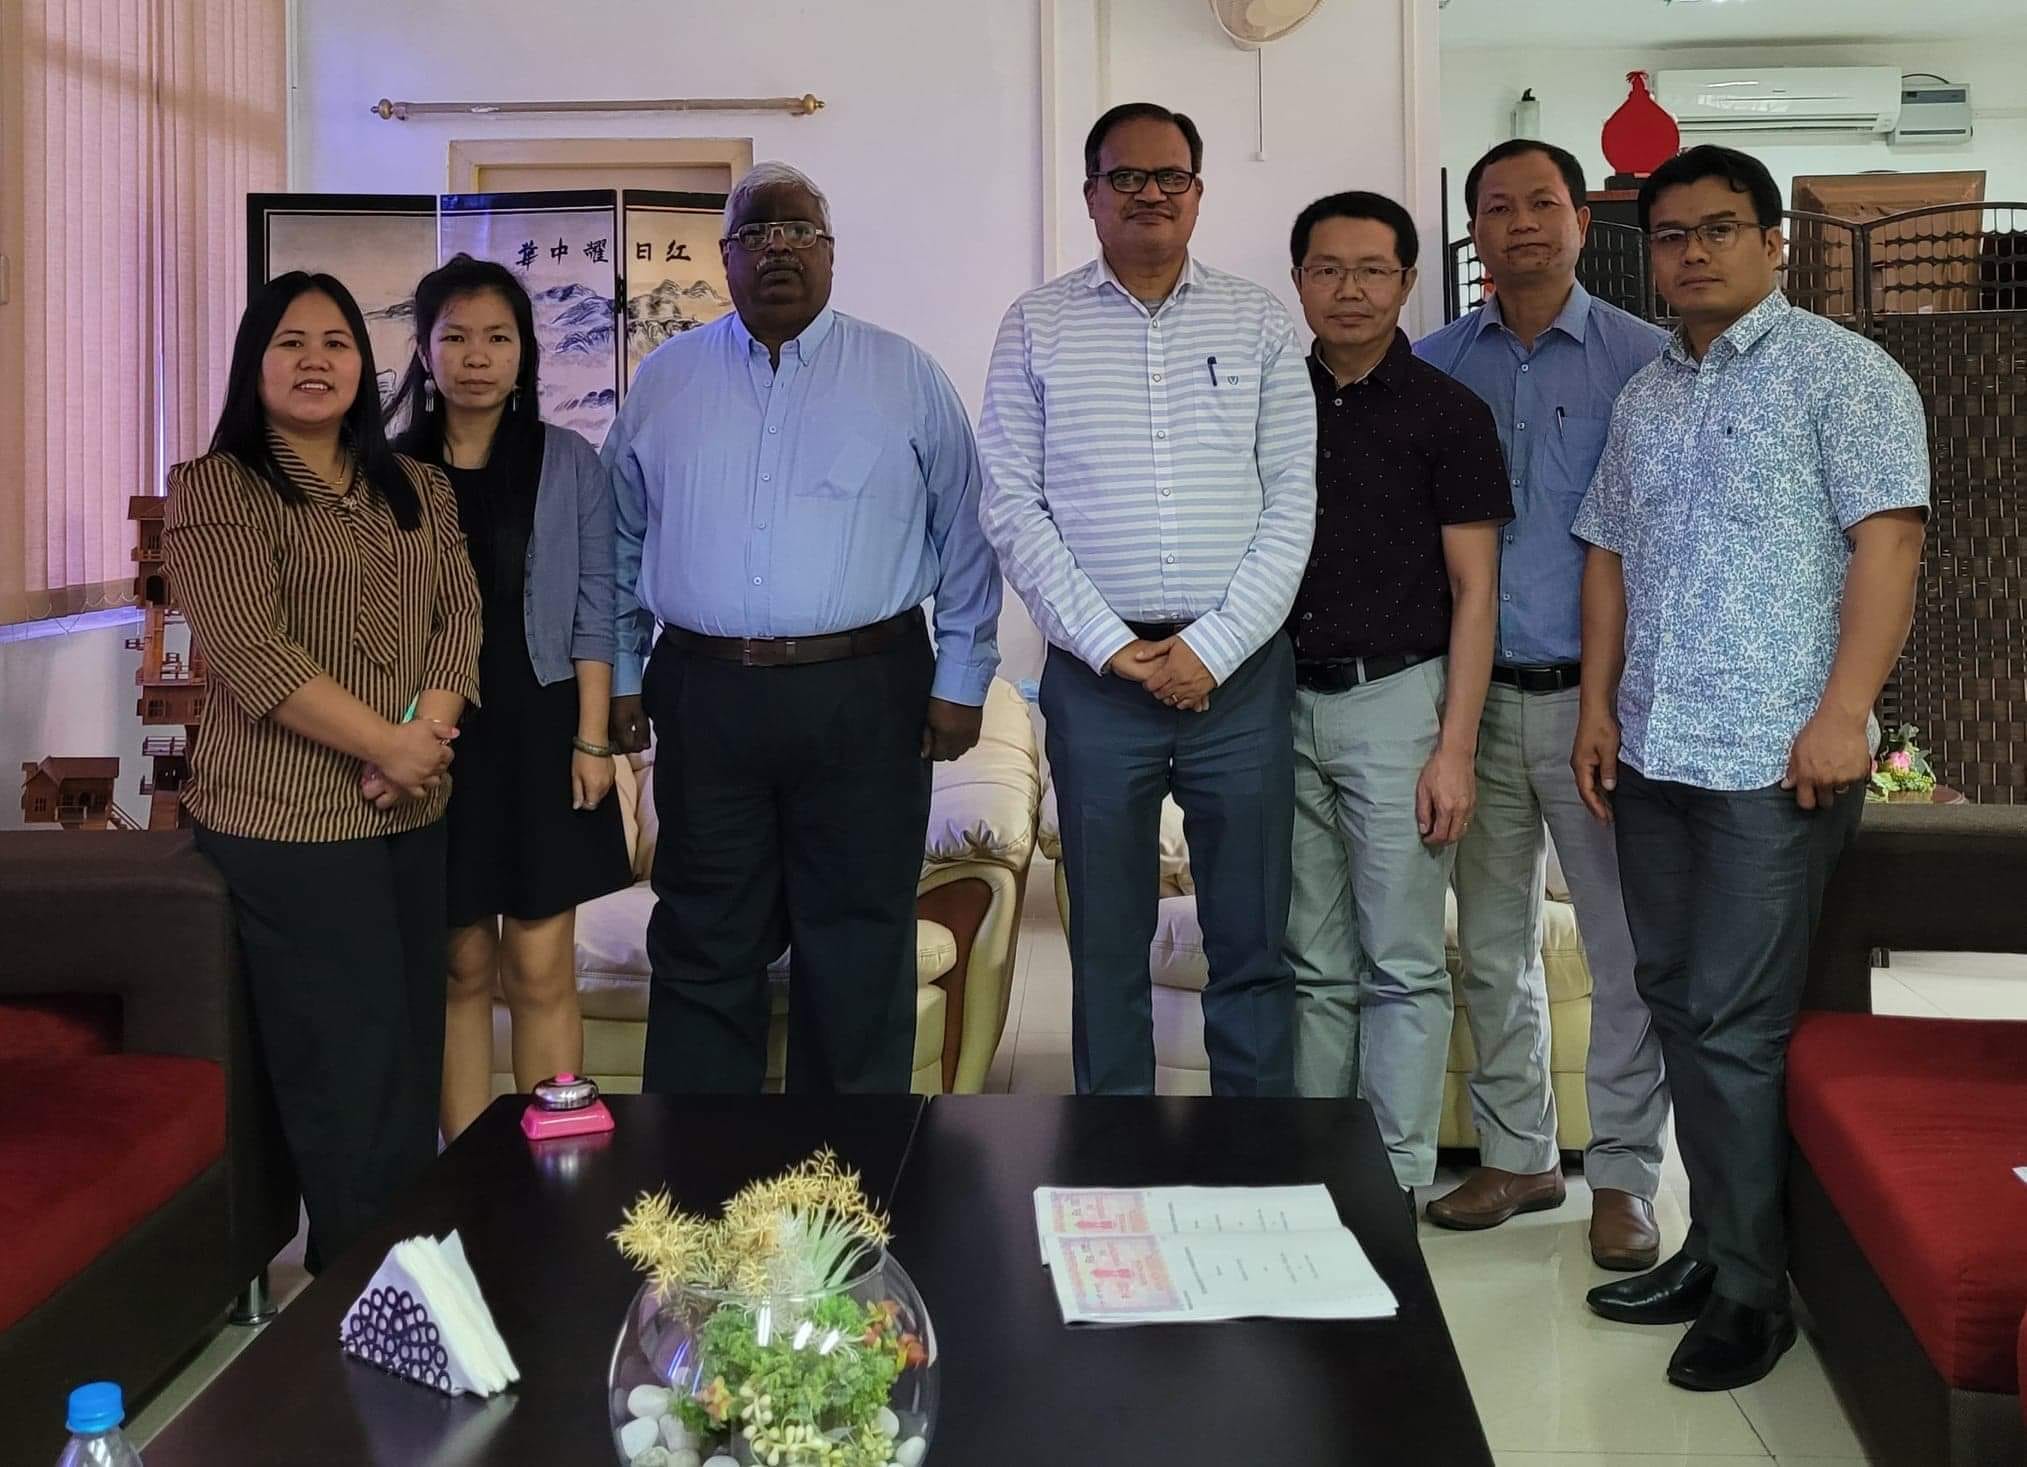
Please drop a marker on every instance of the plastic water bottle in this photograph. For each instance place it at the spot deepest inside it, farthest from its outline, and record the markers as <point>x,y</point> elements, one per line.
<point>96,1411</point>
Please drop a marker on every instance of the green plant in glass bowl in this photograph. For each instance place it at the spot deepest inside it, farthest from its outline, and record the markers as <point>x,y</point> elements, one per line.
<point>782,1333</point>
<point>1901,770</point>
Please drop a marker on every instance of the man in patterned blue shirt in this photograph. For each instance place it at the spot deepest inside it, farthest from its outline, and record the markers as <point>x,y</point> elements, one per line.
<point>1757,525</point>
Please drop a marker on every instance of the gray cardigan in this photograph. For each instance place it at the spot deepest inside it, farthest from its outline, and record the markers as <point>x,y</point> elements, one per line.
<point>568,600</point>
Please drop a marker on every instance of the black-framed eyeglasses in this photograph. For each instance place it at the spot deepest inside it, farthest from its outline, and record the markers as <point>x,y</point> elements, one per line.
<point>1171,181</point>
<point>1718,235</point>
<point>1366,277</point>
<point>798,234</point>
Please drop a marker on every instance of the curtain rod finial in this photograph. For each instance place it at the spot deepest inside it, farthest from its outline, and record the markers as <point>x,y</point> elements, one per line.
<point>388,111</point>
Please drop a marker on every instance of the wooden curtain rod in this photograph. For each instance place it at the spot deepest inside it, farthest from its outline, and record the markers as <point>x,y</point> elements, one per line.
<point>801,106</point>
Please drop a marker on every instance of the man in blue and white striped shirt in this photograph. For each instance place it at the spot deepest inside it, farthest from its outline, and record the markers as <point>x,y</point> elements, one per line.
<point>1149,442</point>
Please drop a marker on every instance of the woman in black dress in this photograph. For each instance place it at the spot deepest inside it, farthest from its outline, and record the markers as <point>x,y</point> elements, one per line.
<point>534,828</point>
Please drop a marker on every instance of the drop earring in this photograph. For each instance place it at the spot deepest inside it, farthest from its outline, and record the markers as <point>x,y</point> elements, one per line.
<point>515,405</point>
<point>428,395</point>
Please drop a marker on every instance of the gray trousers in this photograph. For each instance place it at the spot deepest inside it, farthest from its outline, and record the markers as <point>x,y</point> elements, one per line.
<point>1723,890</point>
<point>1365,928</point>
<point>1524,779</point>
<point>1115,752</point>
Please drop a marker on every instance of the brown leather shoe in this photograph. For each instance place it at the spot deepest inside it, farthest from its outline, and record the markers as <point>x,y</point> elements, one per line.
<point>1623,1235</point>
<point>1488,1196</point>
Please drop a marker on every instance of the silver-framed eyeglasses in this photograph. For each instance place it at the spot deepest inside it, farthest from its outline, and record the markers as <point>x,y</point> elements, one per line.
<point>797,234</point>
<point>1718,235</point>
<point>1365,277</point>
<point>1170,181</point>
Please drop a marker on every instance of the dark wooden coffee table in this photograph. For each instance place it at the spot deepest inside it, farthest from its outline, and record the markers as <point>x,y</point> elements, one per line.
<point>957,1174</point>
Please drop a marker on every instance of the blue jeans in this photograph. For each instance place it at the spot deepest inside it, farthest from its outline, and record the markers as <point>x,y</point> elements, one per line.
<point>1115,753</point>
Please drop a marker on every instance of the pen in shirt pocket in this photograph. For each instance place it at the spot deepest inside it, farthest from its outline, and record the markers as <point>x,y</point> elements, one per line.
<point>1211,366</point>
<point>1561,422</point>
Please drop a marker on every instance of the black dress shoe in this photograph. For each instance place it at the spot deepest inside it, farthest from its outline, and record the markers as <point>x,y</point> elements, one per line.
<point>1730,1345</point>
<point>1674,1293</point>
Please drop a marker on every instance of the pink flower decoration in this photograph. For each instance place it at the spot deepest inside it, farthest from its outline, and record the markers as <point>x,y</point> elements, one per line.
<point>1899,762</point>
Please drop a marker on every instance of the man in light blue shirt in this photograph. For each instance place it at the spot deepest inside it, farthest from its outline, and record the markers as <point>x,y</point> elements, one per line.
<point>1550,360</point>
<point>1149,437</point>
<point>1756,528</point>
<point>792,484</point>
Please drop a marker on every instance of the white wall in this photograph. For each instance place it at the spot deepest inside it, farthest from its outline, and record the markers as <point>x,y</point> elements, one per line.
<point>950,142</point>
<point>925,145</point>
<point>71,694</point>
<point>1579,89</point>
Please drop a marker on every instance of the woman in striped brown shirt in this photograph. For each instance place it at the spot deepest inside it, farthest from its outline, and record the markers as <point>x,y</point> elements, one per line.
<point>325,579</point>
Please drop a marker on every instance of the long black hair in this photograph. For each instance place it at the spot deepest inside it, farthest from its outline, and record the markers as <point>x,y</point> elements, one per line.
<point>412,406</point>
<point>242,421</point>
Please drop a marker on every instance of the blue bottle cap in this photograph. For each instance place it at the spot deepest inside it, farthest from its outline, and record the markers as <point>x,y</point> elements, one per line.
<point>96,1407</point>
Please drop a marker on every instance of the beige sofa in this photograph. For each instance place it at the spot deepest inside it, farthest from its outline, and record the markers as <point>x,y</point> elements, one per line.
<point>974,875</point>
<point>1180,971</point>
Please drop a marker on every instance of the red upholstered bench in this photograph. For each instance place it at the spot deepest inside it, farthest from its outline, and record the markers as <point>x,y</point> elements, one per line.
<point>96,1140</point>
<point>1910,1224</point>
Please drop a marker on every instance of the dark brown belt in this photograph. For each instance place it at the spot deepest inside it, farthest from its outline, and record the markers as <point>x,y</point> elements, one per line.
<point>800,651</point>
<point>1552,678</point>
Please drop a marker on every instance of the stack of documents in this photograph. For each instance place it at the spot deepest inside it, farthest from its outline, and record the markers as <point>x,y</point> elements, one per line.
<point>1173,1255</point>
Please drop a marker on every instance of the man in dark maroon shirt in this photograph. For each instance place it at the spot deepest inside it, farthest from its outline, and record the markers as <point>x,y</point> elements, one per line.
<point>1393,630</point>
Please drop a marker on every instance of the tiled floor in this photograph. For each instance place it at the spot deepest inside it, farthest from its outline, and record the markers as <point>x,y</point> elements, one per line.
<point>1570,1390</point>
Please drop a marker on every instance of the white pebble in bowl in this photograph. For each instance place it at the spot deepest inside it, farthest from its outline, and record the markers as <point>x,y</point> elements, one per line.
<point>678,1437</point>
<point>684,1457</point>
<point>721,1460</point>
<point>637,1436</point>
<point>911,1452</point>
<point>887,1424</point>
<point>648,1402</point>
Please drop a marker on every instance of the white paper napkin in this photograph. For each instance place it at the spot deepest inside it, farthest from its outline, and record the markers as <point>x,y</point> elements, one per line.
<point>423,1317</point>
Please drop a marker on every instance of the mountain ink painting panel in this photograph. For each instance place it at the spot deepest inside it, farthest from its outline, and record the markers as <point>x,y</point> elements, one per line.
<point>675,275</point>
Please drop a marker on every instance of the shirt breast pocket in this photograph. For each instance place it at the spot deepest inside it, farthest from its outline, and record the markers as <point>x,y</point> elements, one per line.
<point>1225,404</point>
<point>1574,447</point>
<point>848,475</point>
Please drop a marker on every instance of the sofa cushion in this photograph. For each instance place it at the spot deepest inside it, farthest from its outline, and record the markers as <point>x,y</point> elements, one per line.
<point>92,1146</point>
<point>983,807</point>
<point>1914,1127</point>
<point>59,1026</point>
<point>612,957</point>
<point>1177,953</point>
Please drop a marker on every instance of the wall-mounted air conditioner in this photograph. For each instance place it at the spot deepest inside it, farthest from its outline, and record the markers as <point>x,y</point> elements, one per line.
<point>1814,99</point>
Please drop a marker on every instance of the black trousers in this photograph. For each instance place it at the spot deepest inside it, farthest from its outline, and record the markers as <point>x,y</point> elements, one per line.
<point>343,943</point>
<point>1723,890</point>
<point>793,804</point>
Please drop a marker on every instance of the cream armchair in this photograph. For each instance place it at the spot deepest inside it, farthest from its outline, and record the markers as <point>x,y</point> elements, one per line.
<point>1176,959</point>
<point>968,906</point>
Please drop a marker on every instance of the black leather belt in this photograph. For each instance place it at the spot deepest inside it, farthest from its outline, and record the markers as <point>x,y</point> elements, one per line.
<point>1551,678</point>
<point>1342,674</point>
<point>1157,631</point>
<point>799,651</point>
